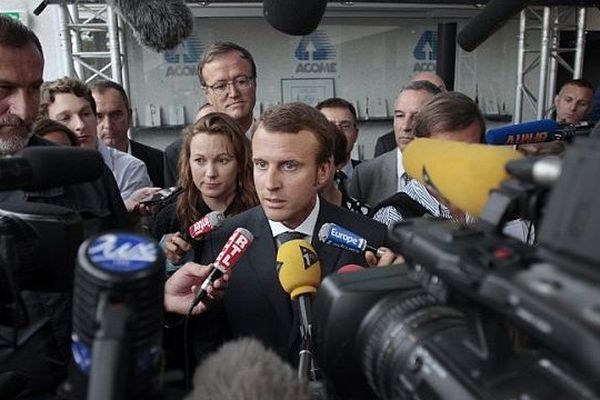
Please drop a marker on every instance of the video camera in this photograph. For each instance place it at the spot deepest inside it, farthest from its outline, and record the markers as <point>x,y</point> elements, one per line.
<point>474,314</point>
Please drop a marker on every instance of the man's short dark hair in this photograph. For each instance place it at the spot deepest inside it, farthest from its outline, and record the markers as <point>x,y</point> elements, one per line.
<point>44,126</point>
<point>64,85</point>
<point>15,34</point>
<point>294,117</point>
<point>220,48</point>
<point>337,102</point>
<point>582,83</point>
<point>449,112</point>
<point>103,85</point>
<point>422,85</point>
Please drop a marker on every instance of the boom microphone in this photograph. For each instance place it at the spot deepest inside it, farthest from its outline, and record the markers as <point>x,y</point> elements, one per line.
<point>44,167</point>
<point>493,16</point>
<point>334,235</point>
<point>545,130</point>
<point>462,173</point>
<point>294,17</point>
<point>158,24</point>
<point>203,226</point>
<point>237,244</point>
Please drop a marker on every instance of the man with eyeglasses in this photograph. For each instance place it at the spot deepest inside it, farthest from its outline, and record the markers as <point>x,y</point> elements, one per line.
<point>343,114</point>
<point>227,75</point>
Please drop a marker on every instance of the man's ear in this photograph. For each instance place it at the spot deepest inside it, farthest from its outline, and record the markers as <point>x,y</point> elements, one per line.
<point>323,172</point>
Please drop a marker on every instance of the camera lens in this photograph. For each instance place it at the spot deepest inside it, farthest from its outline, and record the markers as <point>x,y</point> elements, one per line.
<point>393,330</point>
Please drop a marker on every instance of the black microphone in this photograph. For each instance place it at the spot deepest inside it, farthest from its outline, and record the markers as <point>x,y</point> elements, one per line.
<point>117,318</point>
<point>493,16</point>
<point>294,17</point>
<point>44,167</point>
<point>158,24</point>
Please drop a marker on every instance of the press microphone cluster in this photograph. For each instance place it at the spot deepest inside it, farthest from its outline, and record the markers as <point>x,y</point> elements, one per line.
<point>237,244</point>
<point>334,235</point>
<point>545,130</point>
<point>203,226</point>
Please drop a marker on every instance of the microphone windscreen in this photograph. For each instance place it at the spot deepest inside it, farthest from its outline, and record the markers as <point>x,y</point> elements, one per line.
<point>349,268</point>
<point>294,17</point>
<point>495,14</point>
<point>158,24</point>
<point>507,135</point>
<point>54,166</point>
<point>298,268</point>
<point>462,173</point>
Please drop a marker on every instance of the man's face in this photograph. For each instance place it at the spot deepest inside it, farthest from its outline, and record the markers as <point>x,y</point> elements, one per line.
<point>235,101</point>
<point>76,113</point>
<point>286,174</point>
<point>407,106</point>
<point>573,103</point>
<point>113,117</point>
<point>343,118</point>
<point>20,80</point>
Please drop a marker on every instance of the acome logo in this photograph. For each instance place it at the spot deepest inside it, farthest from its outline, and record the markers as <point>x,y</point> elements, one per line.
<point>316,54</point>
<point>184,58</point>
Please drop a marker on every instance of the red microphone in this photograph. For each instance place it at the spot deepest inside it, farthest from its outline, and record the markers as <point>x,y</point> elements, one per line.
<point>349,268</point>
<point>237,244</point>
<point>204,225</point>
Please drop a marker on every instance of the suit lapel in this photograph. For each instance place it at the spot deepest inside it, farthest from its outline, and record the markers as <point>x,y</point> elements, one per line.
<point>262,260</point>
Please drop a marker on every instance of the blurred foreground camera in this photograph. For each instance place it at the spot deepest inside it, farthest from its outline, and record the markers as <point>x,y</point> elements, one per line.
<point>474,314</point>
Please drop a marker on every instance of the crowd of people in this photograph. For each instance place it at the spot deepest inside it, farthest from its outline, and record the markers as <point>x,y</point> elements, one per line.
<point>288,171</point>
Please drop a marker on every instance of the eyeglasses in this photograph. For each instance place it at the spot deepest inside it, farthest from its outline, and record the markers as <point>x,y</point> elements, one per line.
<point>241,83</point>
<point>345,125</point>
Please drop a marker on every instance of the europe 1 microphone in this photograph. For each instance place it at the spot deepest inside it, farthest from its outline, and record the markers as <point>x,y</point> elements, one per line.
<point>334,235</point>
<point>237,244</point>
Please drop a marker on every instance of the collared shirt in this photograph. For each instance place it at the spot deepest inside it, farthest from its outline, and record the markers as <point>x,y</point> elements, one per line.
<point>402,177</point>
<point>517,229</point>
<point>130,173</point>
<point>348,169</point>
<point>307,226</point>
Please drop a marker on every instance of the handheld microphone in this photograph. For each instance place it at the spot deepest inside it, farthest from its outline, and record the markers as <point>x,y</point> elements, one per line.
<point>237,244</point>
<point>298,268</point>
<point>203,226</point>
<point>117,318</point>
<point>462,173</point>
<point>545,130</point>
<point>299,272</point>
<point>334,235</point>
<point>44,167</point>
<point>158,24</point>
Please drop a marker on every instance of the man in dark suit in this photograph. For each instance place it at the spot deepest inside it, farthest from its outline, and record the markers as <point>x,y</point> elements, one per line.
<point>114,120</point>
<point>291,151</point>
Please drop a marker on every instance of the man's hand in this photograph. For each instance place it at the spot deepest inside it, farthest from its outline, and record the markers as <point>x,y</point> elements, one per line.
<point>133,202</point>
<point>383,257</point>
<point>181,288</point>
<point>175,247</point>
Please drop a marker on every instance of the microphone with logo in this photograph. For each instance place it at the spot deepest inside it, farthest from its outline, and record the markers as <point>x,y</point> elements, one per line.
<point>237,244</point>
<point>545,130</point>
<point>203,226</point>
<point>299,272</point>
<point>334,235</point>
<point>117,319</point>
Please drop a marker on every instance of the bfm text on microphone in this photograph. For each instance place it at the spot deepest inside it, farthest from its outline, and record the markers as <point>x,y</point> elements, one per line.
<point>545,130</point>
<point>237,244</point>
<point>203,226</point>
<point>334,235</point>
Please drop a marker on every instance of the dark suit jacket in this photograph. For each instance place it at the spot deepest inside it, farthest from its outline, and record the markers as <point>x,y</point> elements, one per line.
<point>170,161</point>
<point>255,303</point>
<point>376,179</point>
<point>385,143</point>
<point>153,158</point>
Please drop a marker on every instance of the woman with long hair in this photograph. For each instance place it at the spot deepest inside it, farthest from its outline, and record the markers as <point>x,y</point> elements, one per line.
<point>215,173</point>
